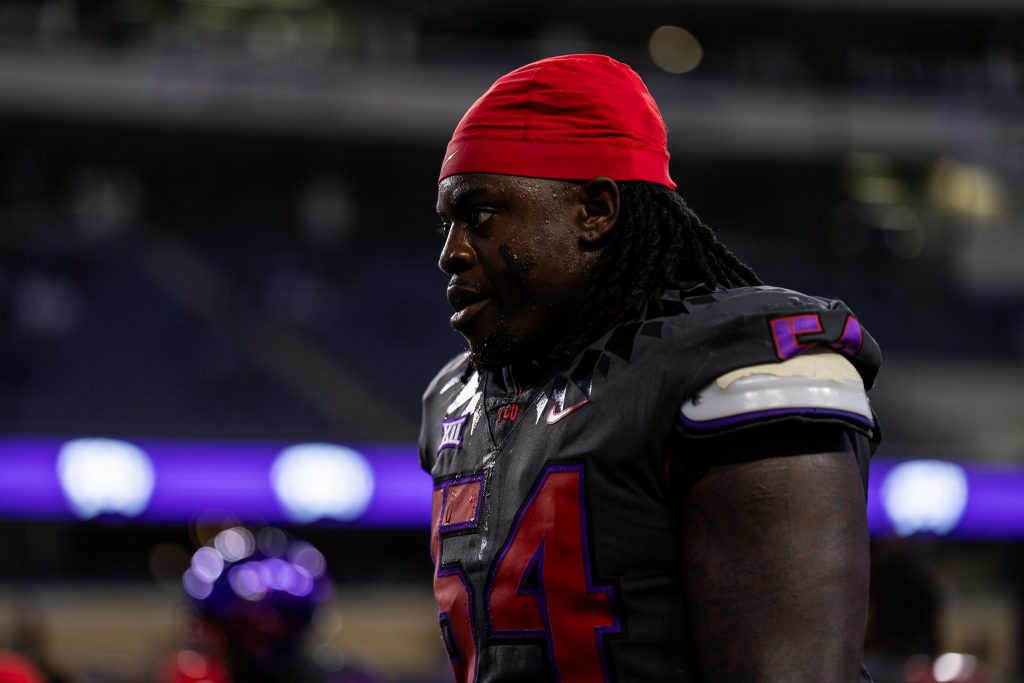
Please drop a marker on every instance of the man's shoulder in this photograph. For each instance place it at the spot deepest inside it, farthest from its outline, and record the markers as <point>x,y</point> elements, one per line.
<point>724,330</point>
<point>759,355</point>
<point>697,314</point>
<point>707,305</point>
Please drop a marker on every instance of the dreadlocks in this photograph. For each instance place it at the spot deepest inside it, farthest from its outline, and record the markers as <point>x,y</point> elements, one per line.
<point>657,242</point>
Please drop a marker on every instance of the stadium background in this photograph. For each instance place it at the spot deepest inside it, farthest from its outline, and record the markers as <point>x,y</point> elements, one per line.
<point>217,227</point>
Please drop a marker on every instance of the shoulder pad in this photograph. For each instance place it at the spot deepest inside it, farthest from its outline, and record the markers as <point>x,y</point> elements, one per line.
<point>812,385</point>
<point>735,328</point>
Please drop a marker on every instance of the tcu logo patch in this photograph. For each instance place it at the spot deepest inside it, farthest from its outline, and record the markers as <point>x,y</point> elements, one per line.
<point>451,432</point>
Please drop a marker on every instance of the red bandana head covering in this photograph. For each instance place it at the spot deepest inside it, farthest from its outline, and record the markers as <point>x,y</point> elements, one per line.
<point>573,117</point>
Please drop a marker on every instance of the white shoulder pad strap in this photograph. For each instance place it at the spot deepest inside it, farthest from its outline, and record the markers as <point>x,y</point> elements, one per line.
<point>813,384</point>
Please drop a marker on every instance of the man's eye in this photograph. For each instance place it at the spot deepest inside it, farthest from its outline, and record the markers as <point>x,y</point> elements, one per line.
<point>477,217</point>
<point>443,227</point>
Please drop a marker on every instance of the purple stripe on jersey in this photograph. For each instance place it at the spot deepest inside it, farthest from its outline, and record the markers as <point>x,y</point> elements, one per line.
<point>733,420</point>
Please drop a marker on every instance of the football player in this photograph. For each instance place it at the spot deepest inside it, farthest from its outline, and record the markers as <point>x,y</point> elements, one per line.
<point>647,466</point>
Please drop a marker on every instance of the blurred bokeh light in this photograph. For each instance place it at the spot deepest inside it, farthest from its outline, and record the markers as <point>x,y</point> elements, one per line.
<point>675,49</point>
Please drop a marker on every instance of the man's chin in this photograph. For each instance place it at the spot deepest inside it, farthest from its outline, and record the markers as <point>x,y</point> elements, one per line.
<point>493,353</point>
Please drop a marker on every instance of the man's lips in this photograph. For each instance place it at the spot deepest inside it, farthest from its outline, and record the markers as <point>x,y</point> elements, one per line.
<point>461,317</point>
<point>467,302</point>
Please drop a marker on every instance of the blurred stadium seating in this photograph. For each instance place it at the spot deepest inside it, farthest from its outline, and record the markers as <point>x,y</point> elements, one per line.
<point>216,223</point>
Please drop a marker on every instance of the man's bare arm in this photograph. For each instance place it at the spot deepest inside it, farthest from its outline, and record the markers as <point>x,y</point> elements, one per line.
<point>776,559</point>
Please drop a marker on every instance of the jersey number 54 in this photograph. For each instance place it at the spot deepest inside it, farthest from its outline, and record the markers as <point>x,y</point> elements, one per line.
<point>540,587</point>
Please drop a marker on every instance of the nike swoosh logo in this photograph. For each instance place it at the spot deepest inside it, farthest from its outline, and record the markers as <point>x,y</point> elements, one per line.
<point>451,156</point>
<point>554,415</point>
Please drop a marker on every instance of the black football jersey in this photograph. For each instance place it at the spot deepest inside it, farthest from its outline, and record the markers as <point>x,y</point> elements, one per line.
<point>555,535</point>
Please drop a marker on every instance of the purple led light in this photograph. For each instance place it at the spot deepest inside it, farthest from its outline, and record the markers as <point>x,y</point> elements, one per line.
<point>308,558</point>
<point>234,544</point>
<point>29,487</point>
<point>996,506</point>
<point>247,581</point>
<point>280,575</point>
<point>207,564</point>
<point>233,480</point>
<point>193,478</point>
<point>196,586</point>
<point>303,584</point>
<point>994,509</point>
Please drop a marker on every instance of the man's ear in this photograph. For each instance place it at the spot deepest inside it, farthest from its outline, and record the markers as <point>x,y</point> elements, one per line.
<point>599,210</point>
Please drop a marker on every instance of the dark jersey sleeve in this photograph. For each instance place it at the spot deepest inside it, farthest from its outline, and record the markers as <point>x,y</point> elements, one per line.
<point>771,359</point>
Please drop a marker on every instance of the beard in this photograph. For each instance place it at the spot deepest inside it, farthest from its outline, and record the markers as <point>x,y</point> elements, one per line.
<point>494,352</point>
<point>503,349</point>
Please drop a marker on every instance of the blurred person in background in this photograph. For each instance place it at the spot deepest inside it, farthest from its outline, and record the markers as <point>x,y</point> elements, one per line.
<point>904,608</point>
<point>254,603</point>
<point>647,466</point>
<point>15,668</point>
<point>31,640</point>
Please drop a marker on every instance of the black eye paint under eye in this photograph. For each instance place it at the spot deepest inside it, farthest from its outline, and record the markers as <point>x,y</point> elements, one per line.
<point>515,267</point>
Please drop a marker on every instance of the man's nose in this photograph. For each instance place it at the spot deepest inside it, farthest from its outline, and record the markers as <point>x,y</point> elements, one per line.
<point>457,255</point>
